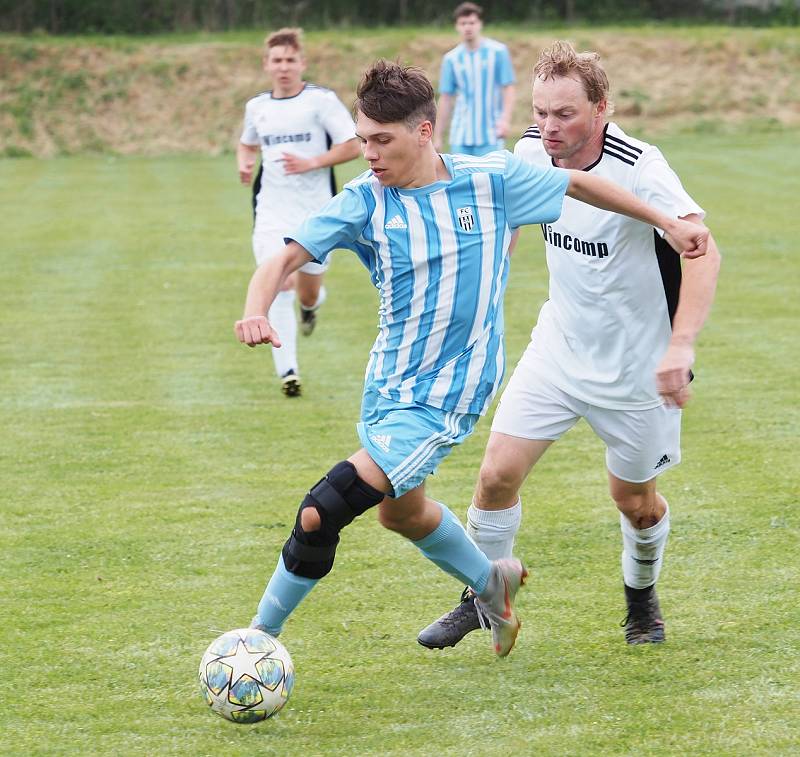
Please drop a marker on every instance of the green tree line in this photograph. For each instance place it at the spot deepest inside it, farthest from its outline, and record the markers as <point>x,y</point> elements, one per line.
<point>151,16</point>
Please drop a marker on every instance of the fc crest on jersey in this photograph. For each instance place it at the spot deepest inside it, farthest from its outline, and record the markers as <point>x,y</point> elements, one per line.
<point>465,218</point>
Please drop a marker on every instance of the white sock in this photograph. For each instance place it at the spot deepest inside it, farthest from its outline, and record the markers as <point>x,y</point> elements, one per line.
<point>494,530</point>
<point>284,321</point>
<point>321,297</point>
<point>643,551</point>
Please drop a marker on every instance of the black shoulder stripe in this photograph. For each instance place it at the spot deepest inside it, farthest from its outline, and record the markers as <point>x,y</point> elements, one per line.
<point>622,144</point>
<point>623,158</point>
<point>532,133</point>
<point>623,151</point>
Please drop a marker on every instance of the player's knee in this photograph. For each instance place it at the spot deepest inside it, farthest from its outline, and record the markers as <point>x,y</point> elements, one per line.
<point>497,483</point>
<point>393,520</point>
<point>310,519</point>
<point>640,508</point>
<point>331,504</point>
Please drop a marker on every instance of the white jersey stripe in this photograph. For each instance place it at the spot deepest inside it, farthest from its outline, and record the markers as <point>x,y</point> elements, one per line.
<point>419,255</point>
<point>384,262</point>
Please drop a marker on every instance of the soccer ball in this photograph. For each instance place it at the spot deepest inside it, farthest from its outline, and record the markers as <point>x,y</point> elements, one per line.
<point>246,675</point>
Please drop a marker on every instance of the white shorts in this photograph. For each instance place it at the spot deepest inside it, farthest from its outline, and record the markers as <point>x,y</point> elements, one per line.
<point>268,243</point>
<point>640,444</point>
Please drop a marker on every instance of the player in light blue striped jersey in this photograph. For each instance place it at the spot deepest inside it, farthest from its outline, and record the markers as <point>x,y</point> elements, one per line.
<point>434,231</point>
<point>477,79</point>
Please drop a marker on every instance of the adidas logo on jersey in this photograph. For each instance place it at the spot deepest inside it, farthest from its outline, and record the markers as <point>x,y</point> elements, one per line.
<point>663,461</point>
<point>383,441</point>
<point>396,223</point>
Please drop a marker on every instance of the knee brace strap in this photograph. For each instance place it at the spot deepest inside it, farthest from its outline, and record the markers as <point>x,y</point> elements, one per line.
<point>339,498</point>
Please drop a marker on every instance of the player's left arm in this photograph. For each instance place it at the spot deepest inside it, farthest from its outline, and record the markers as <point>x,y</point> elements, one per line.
<point>340,153</point>
<point>685,237</point>
<point>696,294</point>
<point>503,125</point>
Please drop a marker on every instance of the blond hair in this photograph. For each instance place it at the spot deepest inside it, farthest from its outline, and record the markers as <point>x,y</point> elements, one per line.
<point>286,37</point>
<point>560,59</point>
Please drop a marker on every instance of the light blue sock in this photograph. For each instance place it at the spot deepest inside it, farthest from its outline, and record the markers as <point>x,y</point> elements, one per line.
<point>283,593</point>
<point>455,553</point>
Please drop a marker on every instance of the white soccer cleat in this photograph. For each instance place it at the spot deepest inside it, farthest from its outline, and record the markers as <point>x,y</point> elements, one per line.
<point>496,603</point>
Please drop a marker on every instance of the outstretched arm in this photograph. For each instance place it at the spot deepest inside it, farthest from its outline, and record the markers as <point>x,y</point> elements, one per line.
<point>254,328</point>
<point>687,238</point>
<point>698,285</point>
<point>340,153</point>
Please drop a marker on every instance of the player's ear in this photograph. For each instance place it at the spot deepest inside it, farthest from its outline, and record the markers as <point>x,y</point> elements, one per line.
<point>600,108</point>
<point>425,131</point>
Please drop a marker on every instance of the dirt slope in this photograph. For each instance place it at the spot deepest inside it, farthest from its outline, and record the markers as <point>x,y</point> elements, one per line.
<point>139,97</point>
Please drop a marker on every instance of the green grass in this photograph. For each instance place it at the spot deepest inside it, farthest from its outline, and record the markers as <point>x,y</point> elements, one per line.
<point>150,471</point>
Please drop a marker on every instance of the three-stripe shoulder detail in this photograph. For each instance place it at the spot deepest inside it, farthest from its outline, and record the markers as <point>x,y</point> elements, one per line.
<point>621,150</point>
<point>532,132</point>
<point>479,163</point>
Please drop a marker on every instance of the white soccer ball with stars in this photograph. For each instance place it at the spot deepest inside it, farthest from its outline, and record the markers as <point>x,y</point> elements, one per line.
<point>246,675</point>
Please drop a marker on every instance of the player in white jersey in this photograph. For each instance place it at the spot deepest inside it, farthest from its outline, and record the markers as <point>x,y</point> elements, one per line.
<point>476,88</point>
<point>301,131</point>
<point>613,343</point>
<point>434,231</point>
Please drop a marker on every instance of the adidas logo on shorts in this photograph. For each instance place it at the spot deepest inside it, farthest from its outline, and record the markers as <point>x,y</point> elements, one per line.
<point>663,461</point>
<point>383,441</point>
<point>396,223</point>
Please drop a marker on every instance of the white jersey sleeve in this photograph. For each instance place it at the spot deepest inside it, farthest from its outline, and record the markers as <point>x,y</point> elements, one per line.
<point>335,119</point>
<point>249,131</point>
<point>658,185</point>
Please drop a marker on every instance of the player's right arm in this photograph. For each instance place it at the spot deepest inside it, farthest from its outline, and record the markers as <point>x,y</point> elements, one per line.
<point>246,156</point>
<point>266,282</point>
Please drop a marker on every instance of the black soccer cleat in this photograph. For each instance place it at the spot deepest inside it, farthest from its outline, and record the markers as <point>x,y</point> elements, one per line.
<point>308,320</point>
<point>290,384</point>
<point>454,625</point>
<point>643,624</point>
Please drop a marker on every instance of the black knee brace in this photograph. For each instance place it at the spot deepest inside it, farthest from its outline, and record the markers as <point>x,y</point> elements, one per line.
<point>339,498</point>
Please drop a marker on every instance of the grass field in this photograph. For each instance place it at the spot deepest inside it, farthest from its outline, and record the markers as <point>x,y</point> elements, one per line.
<point>150,470</point>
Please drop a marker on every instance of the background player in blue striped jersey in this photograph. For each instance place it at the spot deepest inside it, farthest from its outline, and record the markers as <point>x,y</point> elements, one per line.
<point>613,343</point>
<point>433,230</point>
<point>476,88</point>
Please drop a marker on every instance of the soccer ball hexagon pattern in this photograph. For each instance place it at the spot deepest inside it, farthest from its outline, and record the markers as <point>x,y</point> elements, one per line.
<point>246,675</point>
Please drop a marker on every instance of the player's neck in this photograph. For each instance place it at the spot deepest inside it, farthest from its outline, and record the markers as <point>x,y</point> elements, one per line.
<point>588,155</point>
<point>430,170</point>
<point>474,44</point>
<point>279,93</point>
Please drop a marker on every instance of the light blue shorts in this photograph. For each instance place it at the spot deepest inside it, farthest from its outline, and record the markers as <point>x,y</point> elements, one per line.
<point>408,441</point>
<point>476,149</point>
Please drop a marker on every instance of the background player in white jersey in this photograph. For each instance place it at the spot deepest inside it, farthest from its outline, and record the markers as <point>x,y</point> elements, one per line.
<point>614,343</point>
<point>477,79</point>
<point>433,230</point>
<point>301,131</point>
